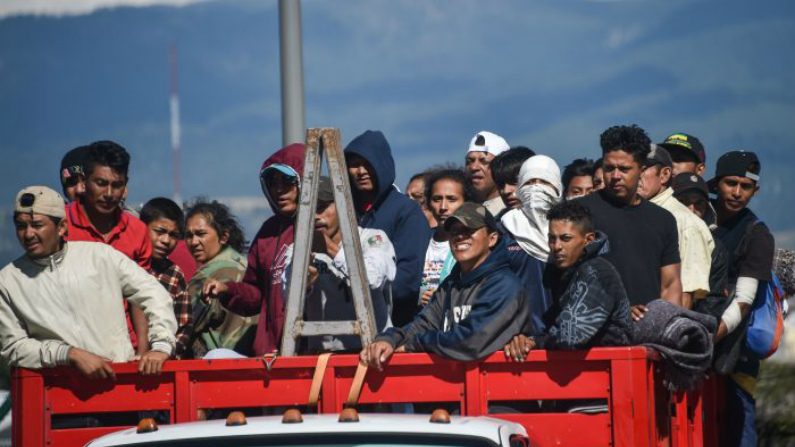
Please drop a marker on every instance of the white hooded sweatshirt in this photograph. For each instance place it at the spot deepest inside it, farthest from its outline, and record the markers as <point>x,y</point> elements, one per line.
<point>529,225</point>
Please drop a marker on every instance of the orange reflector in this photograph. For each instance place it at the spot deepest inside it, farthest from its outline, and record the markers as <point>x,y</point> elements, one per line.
<point>440,416</point>
<point>146,425</point>
<point>349,415</point>
<point>235,419</point>
<point>292,416</point>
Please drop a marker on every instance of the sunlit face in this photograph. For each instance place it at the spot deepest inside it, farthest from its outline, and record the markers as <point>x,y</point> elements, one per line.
<point>471,247</point>
<point>598,179</point>
<point>283,190</point>
<point>164,234</point>
<point>203,241</point>
<point>734,193</point>
<point>362,173</point>
<point>653,180</point>
<point>38,234</point>
<point>580,185</point>
<point>477,167</point>
<point>326,220</point>
<point>447,196</point>
<point>567,242</point>
<point>105,190</point>
<point>621,175</point>
<point>416,190</point>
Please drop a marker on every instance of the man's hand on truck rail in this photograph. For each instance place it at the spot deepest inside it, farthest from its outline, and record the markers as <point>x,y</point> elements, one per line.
<point>376,354</point>
<point>518,348</point>
<point>152,362</point>
<point>91,365</point>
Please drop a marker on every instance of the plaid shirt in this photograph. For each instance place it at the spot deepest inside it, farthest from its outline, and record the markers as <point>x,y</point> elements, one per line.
<point>172,278</point>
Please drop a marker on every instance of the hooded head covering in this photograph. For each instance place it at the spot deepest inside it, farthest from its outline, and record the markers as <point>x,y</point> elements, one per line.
<point>529,226</point>
<point>373,147</point>
<point>288,160</point>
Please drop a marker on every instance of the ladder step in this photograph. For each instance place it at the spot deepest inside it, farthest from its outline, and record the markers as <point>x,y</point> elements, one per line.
<point>310,328</point>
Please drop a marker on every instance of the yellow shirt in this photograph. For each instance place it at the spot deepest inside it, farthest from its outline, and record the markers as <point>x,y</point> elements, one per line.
<point>695,244</point>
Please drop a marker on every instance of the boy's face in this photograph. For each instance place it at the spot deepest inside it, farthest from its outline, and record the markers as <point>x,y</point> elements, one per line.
<point>283,190</point>
<point>38,234</point>
<point>579,186</point>
<point>361,172</point>
<point>567,242</point>
<point>416,191</point>
<point>471,247</point>
<point>164,234</point>
<point>105,189</point>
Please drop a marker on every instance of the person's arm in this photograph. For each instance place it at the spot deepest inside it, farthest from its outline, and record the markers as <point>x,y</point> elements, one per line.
<point>244,297</point>
<point>739,308</point>
<point>141,328</point>
<point>19,349</point>
<point>143,290</point>
<point>500,312</point>
<point>430,318</point>
<point>671,284</point>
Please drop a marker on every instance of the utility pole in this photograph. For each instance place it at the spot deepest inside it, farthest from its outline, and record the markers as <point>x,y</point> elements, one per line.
<point>292,72</point>
<point>175,127</point>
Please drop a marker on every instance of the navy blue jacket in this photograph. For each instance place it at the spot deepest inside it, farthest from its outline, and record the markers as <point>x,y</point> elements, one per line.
<point>470,315</point>
<point>531,272</point>
<point>399,217</point>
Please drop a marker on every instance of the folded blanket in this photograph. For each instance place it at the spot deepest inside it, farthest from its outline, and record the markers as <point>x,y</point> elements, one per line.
<point>683,338</point>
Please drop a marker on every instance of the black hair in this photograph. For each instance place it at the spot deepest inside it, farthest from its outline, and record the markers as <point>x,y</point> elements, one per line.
<point>107,153</point>
<point>163,208</point>
<point>221,219</point>
<point>505,166</point>
<point>423,175</point>
<point>597,165</point>
<point>574,213</point>
<point>631,139</point>
<point>577,168</point>
<point>456,174</point>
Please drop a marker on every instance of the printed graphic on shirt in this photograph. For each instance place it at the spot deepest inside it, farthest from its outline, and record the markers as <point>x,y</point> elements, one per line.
<point>458,314</point>
<point>375,241</point>
<point>279,264</point>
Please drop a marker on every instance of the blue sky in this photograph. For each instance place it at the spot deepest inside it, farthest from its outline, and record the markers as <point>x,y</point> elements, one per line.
<point>550,75</point>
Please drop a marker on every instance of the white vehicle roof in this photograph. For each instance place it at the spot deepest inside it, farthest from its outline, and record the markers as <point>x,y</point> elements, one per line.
<point>491,429</point>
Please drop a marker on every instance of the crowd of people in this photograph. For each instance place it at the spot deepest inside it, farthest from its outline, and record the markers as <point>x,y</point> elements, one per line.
<point>510,253</point>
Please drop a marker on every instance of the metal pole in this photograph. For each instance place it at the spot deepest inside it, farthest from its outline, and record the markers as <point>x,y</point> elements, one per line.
<point>292,71</point>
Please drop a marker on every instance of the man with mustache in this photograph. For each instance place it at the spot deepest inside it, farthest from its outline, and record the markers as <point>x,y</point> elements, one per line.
<point>329,297</point>
<point>644,244</point>
<point>483,148</point>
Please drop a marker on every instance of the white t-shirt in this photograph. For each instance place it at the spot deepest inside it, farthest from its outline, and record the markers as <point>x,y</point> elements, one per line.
<point>435,257</point>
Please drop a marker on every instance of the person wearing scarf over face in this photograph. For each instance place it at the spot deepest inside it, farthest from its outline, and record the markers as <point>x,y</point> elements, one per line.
<point>540,188</point>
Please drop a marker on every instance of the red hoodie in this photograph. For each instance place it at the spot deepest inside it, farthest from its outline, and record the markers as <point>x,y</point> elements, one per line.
<point>260,291</point>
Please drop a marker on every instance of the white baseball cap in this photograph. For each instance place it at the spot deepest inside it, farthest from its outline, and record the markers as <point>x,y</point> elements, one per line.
<point>485,141</point>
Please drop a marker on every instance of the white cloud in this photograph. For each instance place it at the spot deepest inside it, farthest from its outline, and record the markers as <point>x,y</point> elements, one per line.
<point>58,8</point>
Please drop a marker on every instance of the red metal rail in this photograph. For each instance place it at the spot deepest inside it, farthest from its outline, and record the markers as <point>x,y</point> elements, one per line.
<point>639,409</point>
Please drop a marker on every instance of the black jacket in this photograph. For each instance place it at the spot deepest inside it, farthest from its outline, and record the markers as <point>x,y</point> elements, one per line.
<point>470,315</point>
<point>590,307</point>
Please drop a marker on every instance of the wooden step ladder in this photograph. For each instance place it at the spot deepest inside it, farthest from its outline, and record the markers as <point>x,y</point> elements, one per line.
<point>324,143</point>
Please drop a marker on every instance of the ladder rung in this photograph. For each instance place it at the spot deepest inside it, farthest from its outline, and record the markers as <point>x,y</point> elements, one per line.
<point>310,328</point>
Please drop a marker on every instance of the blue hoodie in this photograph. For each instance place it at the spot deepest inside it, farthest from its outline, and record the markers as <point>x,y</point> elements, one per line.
<point>399,217</point>
<point>471,315</point>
